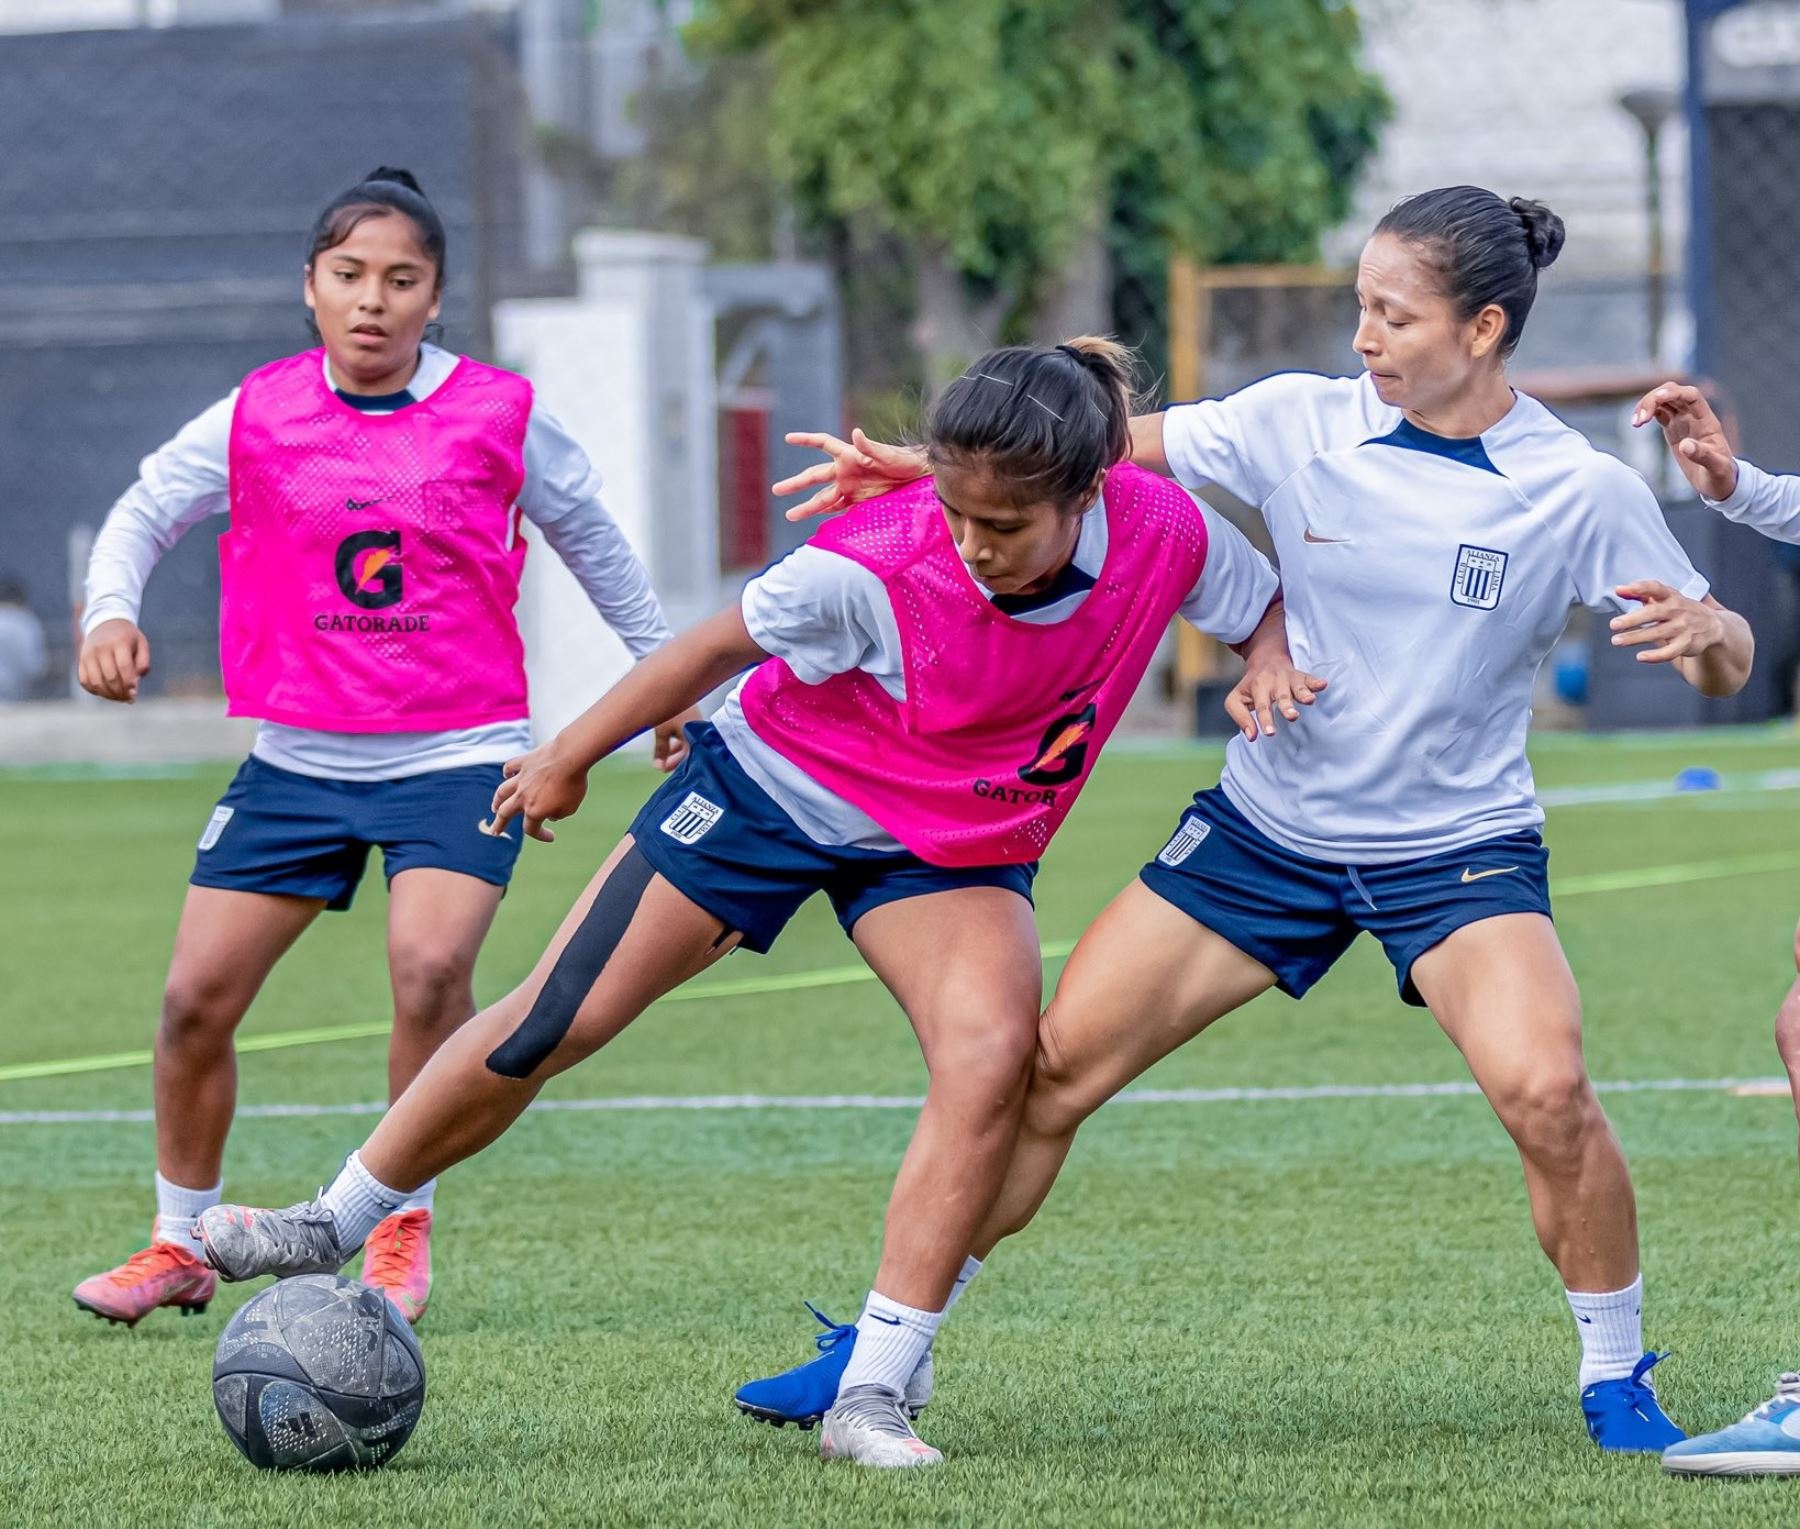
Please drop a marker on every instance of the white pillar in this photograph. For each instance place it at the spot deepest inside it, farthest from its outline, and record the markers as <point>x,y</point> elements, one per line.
<point>627,366</point>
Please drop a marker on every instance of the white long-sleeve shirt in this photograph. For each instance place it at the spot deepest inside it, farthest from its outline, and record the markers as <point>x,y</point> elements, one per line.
<point>1766,502</point>
<point>187,481</point>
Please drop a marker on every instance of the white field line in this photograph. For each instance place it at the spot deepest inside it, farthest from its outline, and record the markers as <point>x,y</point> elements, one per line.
<point>757,1103</point>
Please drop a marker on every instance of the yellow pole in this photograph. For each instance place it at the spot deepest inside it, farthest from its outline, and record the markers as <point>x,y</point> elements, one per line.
<point>1186,365</point>
<point>1197,657</point>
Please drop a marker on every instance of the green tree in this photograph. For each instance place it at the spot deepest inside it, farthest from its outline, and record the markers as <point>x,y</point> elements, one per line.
<point>994,139</point>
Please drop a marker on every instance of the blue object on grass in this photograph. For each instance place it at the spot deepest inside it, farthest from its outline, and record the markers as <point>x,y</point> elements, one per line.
<point>1697,778</point>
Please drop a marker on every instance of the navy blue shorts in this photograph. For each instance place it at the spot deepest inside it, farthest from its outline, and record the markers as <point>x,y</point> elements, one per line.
<point>300,836</point>
<point>721,841</point>
<point>1297,915</point>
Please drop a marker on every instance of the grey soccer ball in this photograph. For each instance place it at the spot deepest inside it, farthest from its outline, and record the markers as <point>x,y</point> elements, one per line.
<point>318,1373</point>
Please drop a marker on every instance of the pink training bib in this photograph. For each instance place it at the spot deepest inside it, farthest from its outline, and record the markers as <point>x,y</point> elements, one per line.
<point>368,580</point>
<point>1002,719</point>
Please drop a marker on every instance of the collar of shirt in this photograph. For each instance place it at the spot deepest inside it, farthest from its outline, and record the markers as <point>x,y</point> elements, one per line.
<point>435,365</point>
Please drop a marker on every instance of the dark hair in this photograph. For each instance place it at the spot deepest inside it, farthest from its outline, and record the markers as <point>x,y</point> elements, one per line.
<point>1045,421</point>
<point>1483,249</point>
<point>382,191</point>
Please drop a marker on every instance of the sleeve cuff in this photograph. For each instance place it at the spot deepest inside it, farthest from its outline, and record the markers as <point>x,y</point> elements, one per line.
<point>1174,446</point>
<point>107,608</point>
<point>1747,475</point>
<point>643,647</point>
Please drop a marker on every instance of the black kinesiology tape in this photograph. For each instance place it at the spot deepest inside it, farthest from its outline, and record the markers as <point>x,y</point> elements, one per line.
<point>576,970</point>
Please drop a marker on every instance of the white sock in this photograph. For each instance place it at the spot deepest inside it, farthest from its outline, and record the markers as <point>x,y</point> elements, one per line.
<point>420,1198</point>
<point>176,1211</point>
<point>971,1267</point>
<point>891,1339</point>
<point>358,1201</point>
<point>1611,1325</point>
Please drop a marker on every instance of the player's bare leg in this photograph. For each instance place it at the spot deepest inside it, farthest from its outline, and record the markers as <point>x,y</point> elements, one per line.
<point>630,938</point>
<point>226,944</point>
<point>1502,990</point>
<point>437,920</point>
<point>1504,994</point>
<point>965,968</point>
<point>1787,1028</point>
<point>1144,980</point>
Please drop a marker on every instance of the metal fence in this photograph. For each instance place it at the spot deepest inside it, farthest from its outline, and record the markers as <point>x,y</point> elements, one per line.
<point>157,187</point>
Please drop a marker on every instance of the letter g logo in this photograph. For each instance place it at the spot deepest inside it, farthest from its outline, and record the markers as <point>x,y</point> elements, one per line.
<point>368,569</point>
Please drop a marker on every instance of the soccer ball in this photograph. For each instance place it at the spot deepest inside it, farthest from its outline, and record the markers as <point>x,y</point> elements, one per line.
<point>318,1373</point>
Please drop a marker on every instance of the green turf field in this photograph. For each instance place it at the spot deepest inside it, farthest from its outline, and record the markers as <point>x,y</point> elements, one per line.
<point>1322,1310</point>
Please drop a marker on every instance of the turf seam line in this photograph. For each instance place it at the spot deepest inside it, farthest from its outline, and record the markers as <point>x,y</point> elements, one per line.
<point>1642,878</point>
<point>633,1103</point>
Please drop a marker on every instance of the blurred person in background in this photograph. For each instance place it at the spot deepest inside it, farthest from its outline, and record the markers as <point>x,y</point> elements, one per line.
<point>23,656</point>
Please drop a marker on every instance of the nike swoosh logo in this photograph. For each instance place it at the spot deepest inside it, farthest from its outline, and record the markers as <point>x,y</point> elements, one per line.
<point>1322,541</point>
<point>1500,870</point>
<point>891,1321</point>
<point>361,504</point>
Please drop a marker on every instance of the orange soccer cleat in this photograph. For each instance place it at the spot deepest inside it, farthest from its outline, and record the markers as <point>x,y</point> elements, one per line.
<point>397,1261</point>
<point>163,1274</point>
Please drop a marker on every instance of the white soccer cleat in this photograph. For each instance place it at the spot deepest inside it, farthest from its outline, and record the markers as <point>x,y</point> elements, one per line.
<point>1764,1443</point>
<point>867,1425</point>
<point>242,1242</point>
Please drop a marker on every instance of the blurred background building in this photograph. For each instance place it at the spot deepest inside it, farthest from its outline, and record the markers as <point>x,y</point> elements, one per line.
<point>799,215</point>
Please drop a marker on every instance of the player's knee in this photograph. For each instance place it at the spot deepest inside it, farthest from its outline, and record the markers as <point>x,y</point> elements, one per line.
<point>199,1013</point>
<point>1060,1096</point>
<point>1787,1028</point>
<point>433,985</point>
<point>1551,1109</point>
<point>988,1066</point>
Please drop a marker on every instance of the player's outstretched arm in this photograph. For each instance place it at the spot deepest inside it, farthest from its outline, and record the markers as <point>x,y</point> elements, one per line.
<point>1147,444</point>
<point>861,467</point>
<point>1710,646</point>
<point>550,782</point>
<point>1695,435</point>
<point>1768,503</point>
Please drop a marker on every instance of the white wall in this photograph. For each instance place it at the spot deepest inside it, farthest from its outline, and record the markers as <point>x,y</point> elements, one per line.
<point>81,15</point>
<point>627,366</point>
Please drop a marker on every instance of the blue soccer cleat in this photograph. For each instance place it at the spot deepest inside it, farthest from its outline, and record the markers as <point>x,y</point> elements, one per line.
<point>1766,1443</point>
<point>1624,1415</point>
<point>805,1393</point>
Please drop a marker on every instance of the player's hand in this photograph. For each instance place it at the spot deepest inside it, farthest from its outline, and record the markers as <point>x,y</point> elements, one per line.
<point>1694,434</point>
<point>1270,686</point>
<point>671,743</point>
<point>859,469</point>
<point>114,657</point>
<point>1677,626</point>
<point>542,787</point>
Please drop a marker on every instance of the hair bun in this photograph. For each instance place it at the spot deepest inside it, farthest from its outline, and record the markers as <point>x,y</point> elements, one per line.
<point>398,176</point>
<point>1544,232</point>
<point>1114,364</point>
